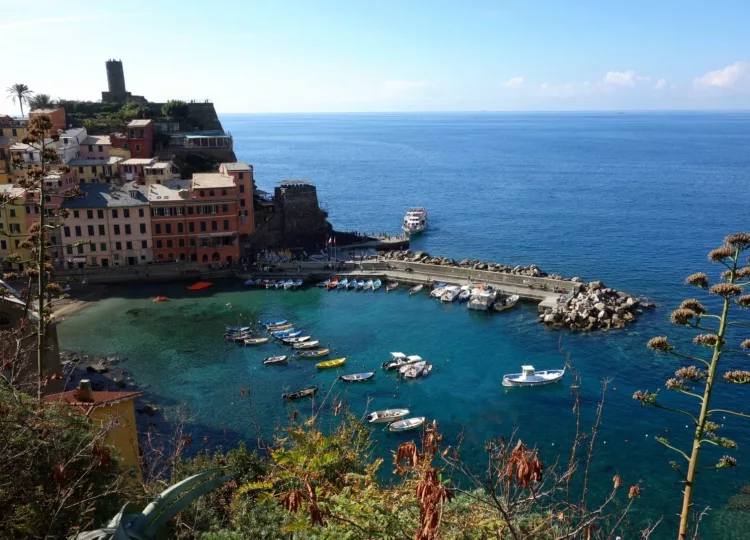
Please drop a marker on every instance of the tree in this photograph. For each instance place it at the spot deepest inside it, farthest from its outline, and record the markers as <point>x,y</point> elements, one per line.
<point>41,101</point>
<point>694,315</point>
<point>20,92</point>
<point>175,109</point>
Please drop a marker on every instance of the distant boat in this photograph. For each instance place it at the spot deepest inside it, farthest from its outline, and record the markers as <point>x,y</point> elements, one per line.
<point>257,341</point>
<point>465,294</point>
<point>506,303</point>
<point>313,354</point>
<point>285,335</point>
<point>391,286</point>
<point>238,337</point>
<point>450,294</point>
<point>437,292</point>
<point>323,284</point>
<point>416,289</point>
<point>397,360</point>
<point>295,339</point>
<point>406,425</point>
<point>270,284</point>
<point>529,377</point>
<point>352,285</point>
<point>306,344</point>
<point>376,284</point>
<point>333,283</point>
<point>275,360</point>
<point>357,377</point>
<point>388,415</point>
<point>360,284</point>
<point>298,283</point>
<point>342,284</point>
<point>280,284</point>
<point>482,300</point>
<point>336,362</point>
<point>273,324</point>
<point>415,220</point>
<point>368,284</point>
<point>299,394</point>
<point>413,370</point>
<point>280,328</point>
<point>249,283</point>
<point>237,329</point>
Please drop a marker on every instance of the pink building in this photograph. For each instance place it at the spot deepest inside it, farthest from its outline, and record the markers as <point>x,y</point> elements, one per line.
<point>95,146</point>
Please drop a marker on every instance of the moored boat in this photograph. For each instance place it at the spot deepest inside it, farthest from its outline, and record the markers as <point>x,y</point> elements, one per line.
<point>352,285</point>
<point>299,394</point>
<point>412,370</point>
<point>415,220</point>
<point>387,415</point>
<point>465,294</point>
<point>342,284</point>
<point>416,289</point>
<point>297,283</point>
<point>406,425</point>
<point>237,329</point>
<point>275,360</point>
<point>280,327</point>
<point>368,284</point>
<point>257,341</point>
<point>287,334</point>
<point>332,284</point>
<point>313,354</point>
<point>391,286</point>
<point>323,284</point>
<point>273,324</point>
<point>306,344</point>
<point>279,284</point>
<point>238,337</point>
<point>376,284</point>
<point>360,284</point>
<point>530,377</point>
<point>357,377</point>
<point>336,362</point>
<point>450,294</point>
<point>397,360</point>
<point>437,292</point>
<point>481,300</point>
<point>506,303</point>
<point>295,339</point>
<point>270,284</point>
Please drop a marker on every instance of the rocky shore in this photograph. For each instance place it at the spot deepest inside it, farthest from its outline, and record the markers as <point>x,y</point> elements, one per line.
<point>595,307</point>
<point>425,258</point>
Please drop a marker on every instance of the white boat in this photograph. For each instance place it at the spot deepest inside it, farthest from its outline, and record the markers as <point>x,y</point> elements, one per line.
<point>410,361</point>
<point>391,286</point>
<point>416,289</point>
<point>288,284</point>
<point>406,425</point>
<point>323,284</point>
<point>275,360</point>
<point>450,294</point>
<point>296,339</point>
<point>506,303</point>
<point>368,284</point>
<point>415,370</point>
<point>360,284</point>
<point>529,377</point>
<point>415,220</point>
<point>306,344</point>
<point>342,284</point>
<point>464,295</point>
<point>297,283</point>
<point>397,360</point>
<point>376,284</point>
<point>357,377</point>
<point>388,415</point>
<point>482,300</point>
<point>437,292</point>
<point>279,284</point>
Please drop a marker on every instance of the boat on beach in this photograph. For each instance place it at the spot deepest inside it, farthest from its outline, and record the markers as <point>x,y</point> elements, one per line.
<point>314,354</point>
<point>387,415</point>
<point>291,340</point>
<point>506,303</point>
<point>406,425</point>
<point>274,360</point>
<point>336,362</point>
<point>530,377</point>
<point>306,344</point>
<point>257,341</point>
<point>415,220</point>
<point>357,377</point>
<point>376,284</point>
<point>299,394</point>
<point>391,286</point>
<point>416,289</point>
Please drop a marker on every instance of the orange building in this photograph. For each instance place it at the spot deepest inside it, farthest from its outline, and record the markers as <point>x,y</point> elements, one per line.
<point>56,116</point>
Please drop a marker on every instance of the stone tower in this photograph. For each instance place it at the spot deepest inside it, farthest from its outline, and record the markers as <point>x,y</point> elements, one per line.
<point>116,82</point>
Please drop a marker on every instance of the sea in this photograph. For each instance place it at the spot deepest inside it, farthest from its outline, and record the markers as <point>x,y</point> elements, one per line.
<point>633,199</point>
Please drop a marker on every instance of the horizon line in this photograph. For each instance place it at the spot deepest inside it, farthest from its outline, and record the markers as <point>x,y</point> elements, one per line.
<point>504,111</point>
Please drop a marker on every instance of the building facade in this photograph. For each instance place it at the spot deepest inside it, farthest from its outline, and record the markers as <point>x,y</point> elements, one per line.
<point>138,138</point>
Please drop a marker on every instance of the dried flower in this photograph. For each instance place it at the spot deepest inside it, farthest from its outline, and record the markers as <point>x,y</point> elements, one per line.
<point>691,373</point>
<point>674,384</point>
<point>693,305</point>
<point>617,481</point>
<point>742,273</point>
<point>659,344</point>
<point>744,300</point>
<point>745,344</point>
<point>710,427</point>
<point>737,377</point>
<point>635,492</point>
<point>682,316</point>
<point>707,340</point>
<point>726,443</point>
<point>726,461</point>
<point>739,241</point>
<point>727,290</point>
<point>699,279</point>
<point>720,253</point>
<point>646,398</point>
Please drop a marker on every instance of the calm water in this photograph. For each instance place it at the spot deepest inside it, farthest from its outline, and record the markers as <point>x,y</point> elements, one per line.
<point>634,199</point>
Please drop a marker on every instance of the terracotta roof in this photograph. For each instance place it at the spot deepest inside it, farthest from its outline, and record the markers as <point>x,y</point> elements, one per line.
<point>98,399</point>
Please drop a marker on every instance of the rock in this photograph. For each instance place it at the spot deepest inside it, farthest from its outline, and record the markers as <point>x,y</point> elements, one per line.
<point>572,316</point>
<point>600,306</point>
<point>576,280</point>
<point>628,316</point>
<point>602,315</point>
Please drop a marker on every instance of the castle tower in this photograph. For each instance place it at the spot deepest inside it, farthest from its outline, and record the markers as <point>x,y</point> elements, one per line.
<point>115,77</point>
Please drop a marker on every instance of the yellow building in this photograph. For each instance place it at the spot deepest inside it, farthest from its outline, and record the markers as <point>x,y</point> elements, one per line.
<point>119,152</point>
<point>116,411</point>
<point>13,225</point>
<point>94,170</point>
<point>13,128</point>
<point>5,143</point>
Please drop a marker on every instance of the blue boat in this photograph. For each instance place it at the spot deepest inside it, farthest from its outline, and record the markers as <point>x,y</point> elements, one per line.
<point>342,284</point>
<point>360,284</point>
<point>268,324</point>
<point>298,283</point>
<point>285,335</point>
<point>250,283</point>
<point>237,329</point>
<point>376,284</point>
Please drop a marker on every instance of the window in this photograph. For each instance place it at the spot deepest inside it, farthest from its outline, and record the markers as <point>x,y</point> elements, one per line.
<point>14,131</point>
<point>203,226</point>
<point>142,132</point>
<point>169,243</point>
<point>137,147</point>
<point>126,213</point>
<point>93,169</point>
<point>69,250</point>
<point>242,188</point>
<point>143,228</point>
<point>140,212</point>
<point>36,209</point>
<point>203,193</point>
<point>103,245</point>
<point>12,213</point>
<point>214,226</point>
<point>225,208</point>
<point>66,232</point>
<point>28,209</point>
<point>242,176</point>
<point>144,244</point>
<point>125,146</point>
<point>224,192</point>
<point>178,211</point>
<point>116,256</point>
<point>117,229</point>
<point>226,224</point>
<point>114,213</point>
<point>79,248</point>
<point>143,257</point>
<point>167,211</point>
<point>242,202</point>
<point>211,192</point>
<point>128,245</point>
<point>101,148</point>
<point>80,170</point>
<point>3,244</point>
<point>127,229</point>
<point>93,260</point>
<point>180,227</point>
<point>90,230</point>
<point>15,228</point>
<point>102,230</point>
<point>92,246</point>
<point>154,211</point>
<point>90,214</point>
<point>78,230</point>
<point>158,244</point>
<point>17,242</point>
<point>168,228</point>
<point>190,210</point>
<point>182,242</point>
<point>157,228</point>
<point>191,227</point>
<point>192,242</point>
<point>118,245</point>
<point>100,214</point>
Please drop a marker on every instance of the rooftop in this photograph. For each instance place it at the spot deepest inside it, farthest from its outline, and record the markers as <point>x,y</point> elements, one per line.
<point>110,196</point>
<point>82,162</point>
<point>45,111</point>
<point>160,165</point>
<point>236,166</point>
<point>97,139</point>
<point>12,190</point>
<point>138,161</point>
<point>98,399</point>
<point>212,180</point>
<point>169,191</point>
<point>72,132</point>
<point>138,123</point>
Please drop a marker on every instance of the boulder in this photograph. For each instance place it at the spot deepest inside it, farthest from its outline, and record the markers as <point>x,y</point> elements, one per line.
<point>600,306</point>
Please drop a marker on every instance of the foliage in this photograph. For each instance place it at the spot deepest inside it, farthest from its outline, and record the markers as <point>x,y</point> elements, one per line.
<point>175,109</point>
<point>702,371</point>
<point>41,101</point>
<point>134,110</point>
<point>20,92</point>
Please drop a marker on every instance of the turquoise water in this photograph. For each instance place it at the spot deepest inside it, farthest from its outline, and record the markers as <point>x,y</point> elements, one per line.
<point>635,200</point>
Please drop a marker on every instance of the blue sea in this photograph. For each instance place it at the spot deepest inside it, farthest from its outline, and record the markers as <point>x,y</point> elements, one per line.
<point>633,199</point>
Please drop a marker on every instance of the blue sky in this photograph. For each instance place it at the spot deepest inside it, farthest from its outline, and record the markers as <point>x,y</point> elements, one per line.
<point>387,55</point>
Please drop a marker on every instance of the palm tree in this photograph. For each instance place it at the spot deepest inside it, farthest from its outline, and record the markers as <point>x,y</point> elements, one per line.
<point>20,92</point>
<point>41,101</point>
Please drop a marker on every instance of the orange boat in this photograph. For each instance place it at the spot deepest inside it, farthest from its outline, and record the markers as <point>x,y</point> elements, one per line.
<point>333,284</point>
<point>161,299</point>
<point>200,286</point>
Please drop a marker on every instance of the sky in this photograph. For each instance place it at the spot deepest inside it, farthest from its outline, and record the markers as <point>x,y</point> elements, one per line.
<point>257,56</point>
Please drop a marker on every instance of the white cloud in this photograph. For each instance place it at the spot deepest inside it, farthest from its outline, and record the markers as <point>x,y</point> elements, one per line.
<point>620,78</point>
<point>543,86</point>
<point>722,78</point>
<point>514,81</point>
<point>403,85</point>
<point>661,84</point>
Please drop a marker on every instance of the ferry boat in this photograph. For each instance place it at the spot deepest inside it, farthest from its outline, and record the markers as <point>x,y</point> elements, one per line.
<point>415,220</point>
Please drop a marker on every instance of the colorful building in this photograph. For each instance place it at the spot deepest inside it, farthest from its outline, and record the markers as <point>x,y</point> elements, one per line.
<point>138,138</point>
<point>14,226</point>
<point>14,128</point>
<point>133,169</point>
<point>95,170</point>
<point>113,410</point>
<point>5,144</point>
<point>96,147</point>
<point>56,116</point>
<point>243,178</point>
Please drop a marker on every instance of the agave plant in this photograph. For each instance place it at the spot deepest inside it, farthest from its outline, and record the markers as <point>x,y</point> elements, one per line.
<point>149,524</point>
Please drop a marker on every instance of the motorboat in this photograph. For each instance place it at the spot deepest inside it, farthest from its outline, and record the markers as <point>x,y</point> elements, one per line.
<point>306,344</point>
<point>482,300</point>
<point>332,284</point>
<point>415,220</point>
<point>299,394</point>
<point>279,284</point>
<point>506,303</point>
<point>270,284</point>
<point>273,324</point>
<point>295,339</point>
<point>530,377</point>
<point>376,284</point>
<point>352,285</point>
<point>360,284</point>
<point>342,284</point>
<point>437,292</point>
<point>406,425</point>
<point>314,354</point>
<point>275,360</point>
<point>323,284</point>
<point>257,341</point>
<point>336,362</point>
<point>450,293</point>
<point>412,370</point>
<point>368,284</point>
<point>391,286</point>
<point>416,289</point>
<point>357,377</point>
<point>397,360</point>
<point>297,283</point>
<point>388,415</point>
<point>291,333</point>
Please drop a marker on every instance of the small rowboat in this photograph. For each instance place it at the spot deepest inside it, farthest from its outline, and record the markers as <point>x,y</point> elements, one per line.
<point>297,283</point>
<point>239,338</point>
<point>288,284</point>
<point>390,286</point>
<point>279,284</point>
<point>416,289</point>
<point>506,303</point>
<point>280,328</point>
<point>237,329</point>
<point>287,334</point>
<point>360,284</point>
<point>368,284</point>
<point>529,377</point>
<point>257,341</point>
<point>274,360</point>
<point>307,344</point>
<point>376,284</point>
<point>295,339</point>
<point>352,285</point>
<point>357,377</point>
<point>274,324</point>
<point>313,354</point>
<point>333,284</point>
<point>299,394</point>
<point>406,425</point>
<point>270,284</point>
<point>464,295</point>
<point>388,415</point>
<point>336,362</point>
<point>323,284</point>
<point>342,284</point>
